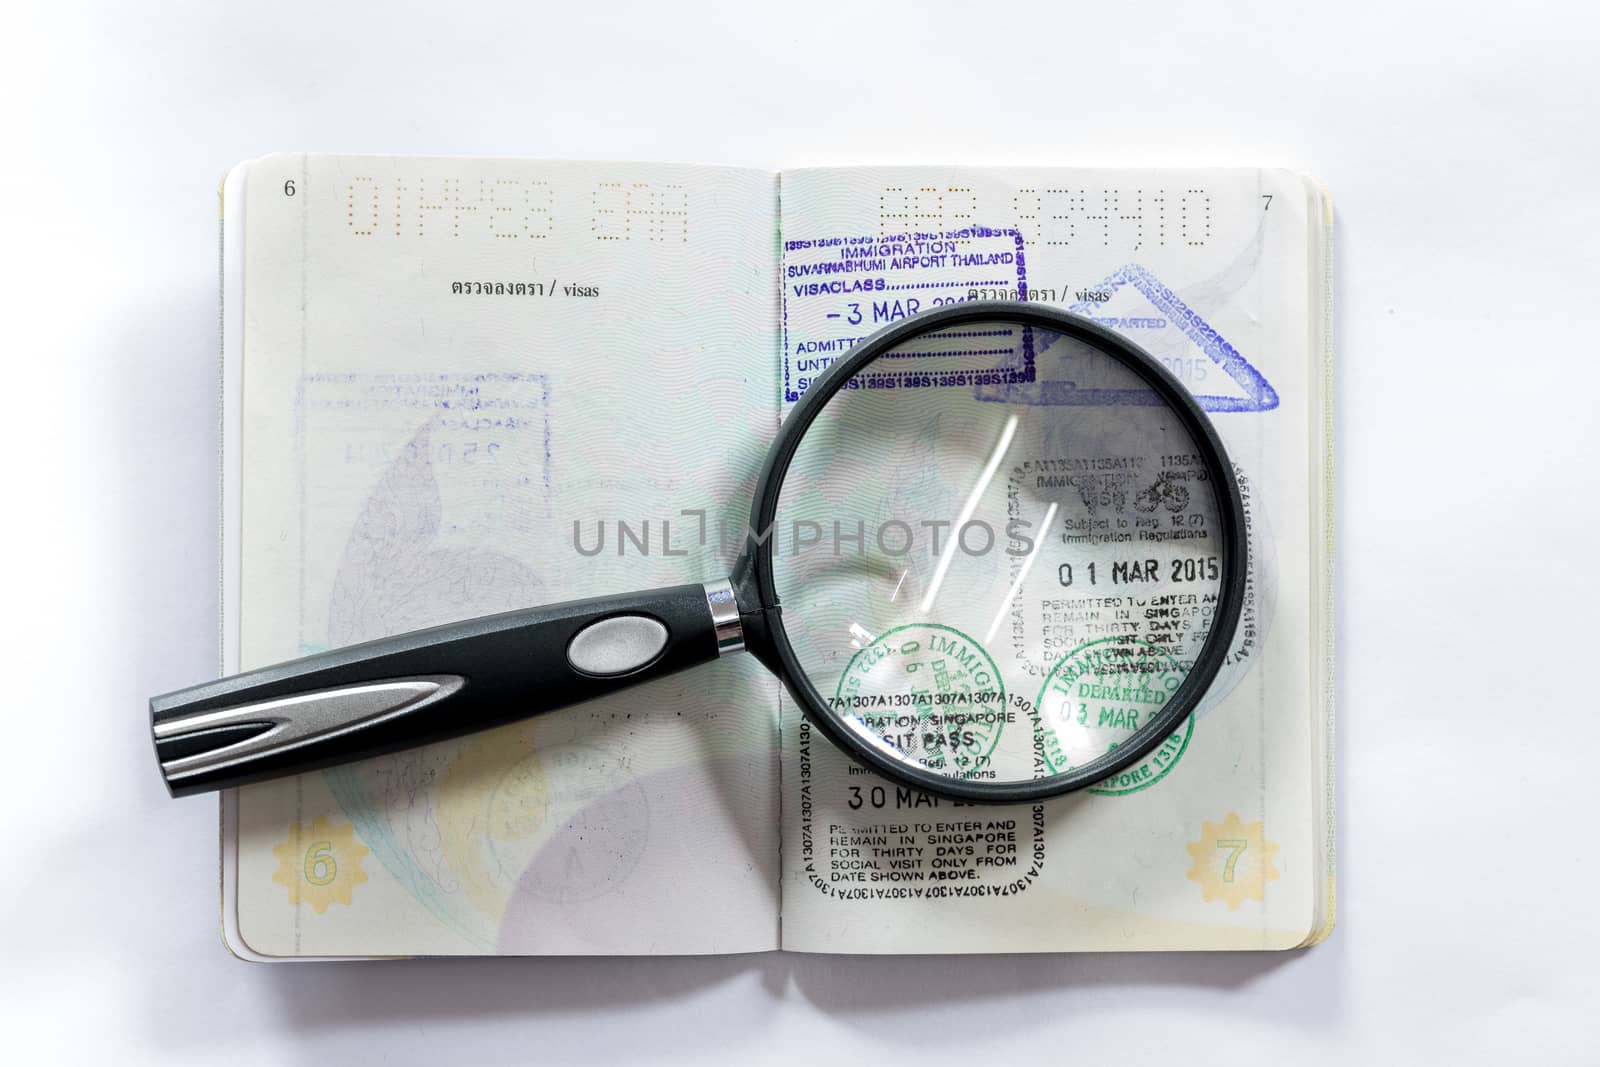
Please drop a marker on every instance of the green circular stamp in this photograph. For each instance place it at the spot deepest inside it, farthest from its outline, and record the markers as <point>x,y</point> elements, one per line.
<point>1097,697</point>
<point>930,692</point>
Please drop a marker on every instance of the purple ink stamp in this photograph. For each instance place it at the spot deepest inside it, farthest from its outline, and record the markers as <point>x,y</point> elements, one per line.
<point>839,290</point>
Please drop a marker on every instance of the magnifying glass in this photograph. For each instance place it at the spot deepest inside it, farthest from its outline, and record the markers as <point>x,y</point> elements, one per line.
<point>997,553</point>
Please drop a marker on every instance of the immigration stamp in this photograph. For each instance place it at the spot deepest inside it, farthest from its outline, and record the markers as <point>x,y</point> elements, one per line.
<point>1135,303</point>
<point>839,290</point>
<point>864,839</point>
<point>930,692</point>
<point>416,476</point>
<point>481,428</point>
<point>1097,697</point>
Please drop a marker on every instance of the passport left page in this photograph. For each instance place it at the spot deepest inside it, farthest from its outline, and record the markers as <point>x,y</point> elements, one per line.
<point>455,387</point>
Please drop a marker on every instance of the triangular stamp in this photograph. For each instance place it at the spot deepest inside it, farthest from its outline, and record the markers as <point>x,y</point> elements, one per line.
<point>1134,303</point>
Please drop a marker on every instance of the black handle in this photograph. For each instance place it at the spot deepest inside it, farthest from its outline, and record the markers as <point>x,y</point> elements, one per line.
<point>402,691</point>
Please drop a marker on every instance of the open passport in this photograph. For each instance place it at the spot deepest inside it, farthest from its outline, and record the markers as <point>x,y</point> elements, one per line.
<point>452,387</point>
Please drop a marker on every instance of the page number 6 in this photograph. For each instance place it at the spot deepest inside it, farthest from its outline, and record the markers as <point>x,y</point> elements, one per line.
<point>288,187</point>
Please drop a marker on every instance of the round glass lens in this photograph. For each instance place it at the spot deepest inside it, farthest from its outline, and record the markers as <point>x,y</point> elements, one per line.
<point>998,551</point>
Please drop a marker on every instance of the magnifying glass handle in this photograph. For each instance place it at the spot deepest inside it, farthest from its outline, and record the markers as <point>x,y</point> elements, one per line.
<point>364,700</point>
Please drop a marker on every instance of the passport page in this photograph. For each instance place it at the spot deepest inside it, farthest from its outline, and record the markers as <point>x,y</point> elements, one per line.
<point>466,386</point>
<point>1221,837</point>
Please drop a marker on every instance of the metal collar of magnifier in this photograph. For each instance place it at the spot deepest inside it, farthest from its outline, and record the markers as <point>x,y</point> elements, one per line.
<point>762,617</point>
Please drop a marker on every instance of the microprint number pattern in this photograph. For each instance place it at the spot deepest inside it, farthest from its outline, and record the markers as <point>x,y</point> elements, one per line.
<point>514,209</point>
<point>1131,220</point>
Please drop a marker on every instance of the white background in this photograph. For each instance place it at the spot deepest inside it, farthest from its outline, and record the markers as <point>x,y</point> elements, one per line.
<point>1461,145</point>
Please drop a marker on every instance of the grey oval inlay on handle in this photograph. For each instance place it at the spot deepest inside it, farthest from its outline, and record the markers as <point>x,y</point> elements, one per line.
<point>621,644</point>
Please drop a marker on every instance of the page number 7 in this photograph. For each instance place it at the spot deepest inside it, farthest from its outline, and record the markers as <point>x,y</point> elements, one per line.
<point>1237,845</point>
<point>1268,205</point>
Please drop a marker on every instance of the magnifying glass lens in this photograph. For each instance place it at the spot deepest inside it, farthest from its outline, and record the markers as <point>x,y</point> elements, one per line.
<point>998,555</point>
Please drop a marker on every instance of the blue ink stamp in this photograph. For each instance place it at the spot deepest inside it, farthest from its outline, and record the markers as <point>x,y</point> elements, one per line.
<point>497,423</point>
<point>1166,327</point>
<point>839,290</point>
<point>415,491</point>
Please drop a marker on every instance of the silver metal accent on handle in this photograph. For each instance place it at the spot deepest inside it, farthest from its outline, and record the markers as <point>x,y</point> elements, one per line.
<point>725,614</point>
<point>301,719</point>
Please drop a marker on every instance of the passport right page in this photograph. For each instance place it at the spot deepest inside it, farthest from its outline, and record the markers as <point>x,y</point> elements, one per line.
<point>1222,838</point>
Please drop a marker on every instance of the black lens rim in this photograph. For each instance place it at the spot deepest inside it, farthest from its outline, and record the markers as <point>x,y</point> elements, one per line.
<point>1230,506</point>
